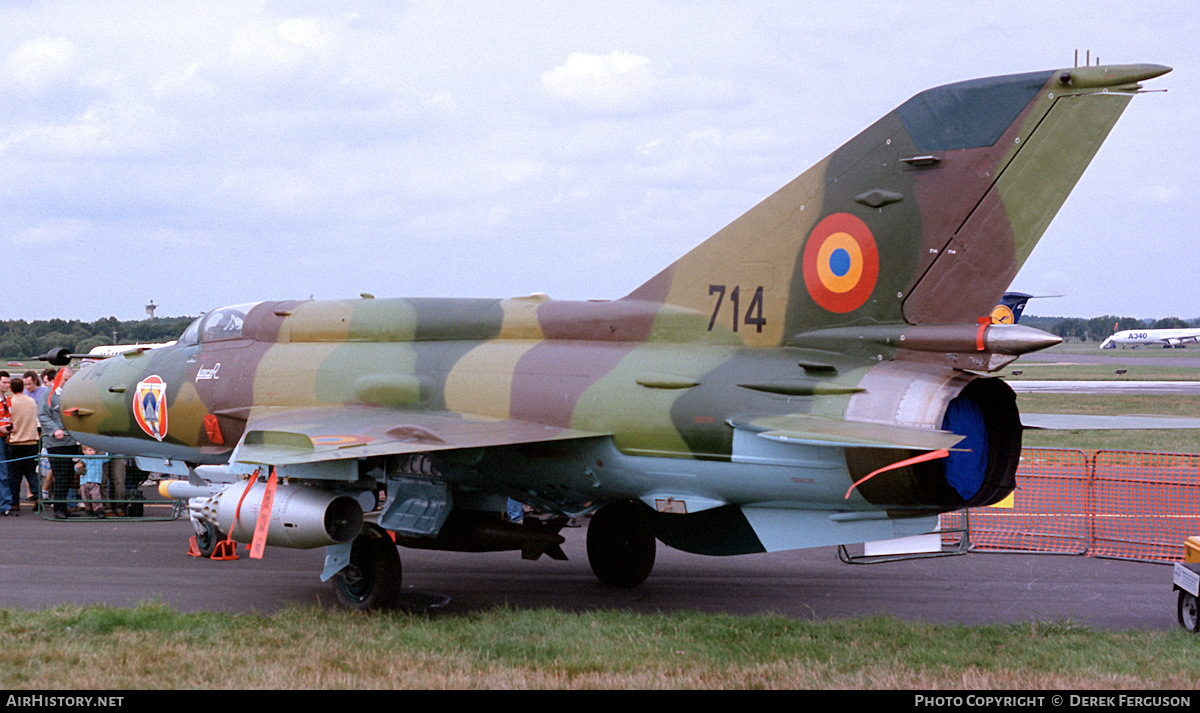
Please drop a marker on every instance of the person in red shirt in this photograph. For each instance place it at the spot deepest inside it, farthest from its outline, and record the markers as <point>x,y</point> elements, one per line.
<point>7,499</point>
<point>22,445</point>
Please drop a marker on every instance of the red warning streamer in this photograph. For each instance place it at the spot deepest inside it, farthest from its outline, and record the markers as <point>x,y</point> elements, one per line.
<point>932,455</point>
<point>259,542</point>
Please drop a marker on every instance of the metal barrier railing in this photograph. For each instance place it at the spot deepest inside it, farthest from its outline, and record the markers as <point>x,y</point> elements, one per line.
<point>1146,504</point>
<point>1048,511</point>
<point>953,539</point>
<point>126,492</point>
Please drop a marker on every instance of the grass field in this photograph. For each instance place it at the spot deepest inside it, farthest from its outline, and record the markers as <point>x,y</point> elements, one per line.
<point>1160,441</point>
<point>1128,361</point>
<point>1098,372</point>
<point>1151,441</point>
<point>151,646</point>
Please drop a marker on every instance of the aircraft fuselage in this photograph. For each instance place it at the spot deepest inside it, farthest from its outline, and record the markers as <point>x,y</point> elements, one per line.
<point>672,417</point>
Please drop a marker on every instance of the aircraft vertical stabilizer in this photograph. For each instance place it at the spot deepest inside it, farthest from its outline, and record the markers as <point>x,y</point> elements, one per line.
<point>925,217</point>
<point>1037,163</point>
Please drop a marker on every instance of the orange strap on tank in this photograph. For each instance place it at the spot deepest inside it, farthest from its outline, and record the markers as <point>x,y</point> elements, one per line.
<point>984,323</point>
<point>227,549</point>
<point>932,455</point>
<point>259,541</point>
<point>237,513</point>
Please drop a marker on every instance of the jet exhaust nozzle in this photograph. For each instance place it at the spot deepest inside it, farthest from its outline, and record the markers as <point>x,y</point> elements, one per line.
<point>302,517</point>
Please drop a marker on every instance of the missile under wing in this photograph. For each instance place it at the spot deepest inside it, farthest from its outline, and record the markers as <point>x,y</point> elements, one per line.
<point>812,374</point>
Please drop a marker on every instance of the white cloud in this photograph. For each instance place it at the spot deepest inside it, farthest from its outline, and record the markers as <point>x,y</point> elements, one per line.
<point>518,171</point>
<point>187,82</point>
<point>307,32</point>
<point>1158,194</point>
<point>46,60</point>
<point>52,233</point>
<point>611,82</point>
<point>260,49</point>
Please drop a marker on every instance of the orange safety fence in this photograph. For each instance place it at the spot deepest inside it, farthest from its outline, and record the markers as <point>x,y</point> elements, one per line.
<point>1147,504</point>
<point>1117,504</point>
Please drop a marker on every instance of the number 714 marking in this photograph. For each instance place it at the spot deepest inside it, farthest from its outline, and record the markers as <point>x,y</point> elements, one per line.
<point>754,311</point>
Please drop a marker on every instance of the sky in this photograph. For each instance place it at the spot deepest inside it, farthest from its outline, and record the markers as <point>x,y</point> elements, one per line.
<point>206,153</point>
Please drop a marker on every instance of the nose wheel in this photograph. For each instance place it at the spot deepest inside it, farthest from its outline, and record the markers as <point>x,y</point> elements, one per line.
<point>207,537</point>
<point>372,579</point>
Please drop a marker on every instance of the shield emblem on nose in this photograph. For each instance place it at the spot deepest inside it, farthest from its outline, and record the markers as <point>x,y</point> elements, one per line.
<point>150,406</point>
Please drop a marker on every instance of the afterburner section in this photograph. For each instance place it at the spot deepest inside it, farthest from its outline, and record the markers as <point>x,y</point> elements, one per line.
<point>986,413</point>
<point>980,469</point>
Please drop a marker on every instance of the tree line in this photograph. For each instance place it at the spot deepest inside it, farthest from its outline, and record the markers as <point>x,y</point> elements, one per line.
<point>1097,329</point>
<point>25,340</point>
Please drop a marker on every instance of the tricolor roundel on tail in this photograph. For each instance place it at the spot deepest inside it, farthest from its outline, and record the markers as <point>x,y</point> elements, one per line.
<point>841,263</point>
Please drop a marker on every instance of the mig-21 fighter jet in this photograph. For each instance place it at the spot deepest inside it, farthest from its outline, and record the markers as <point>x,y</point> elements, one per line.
<point>813,374</point>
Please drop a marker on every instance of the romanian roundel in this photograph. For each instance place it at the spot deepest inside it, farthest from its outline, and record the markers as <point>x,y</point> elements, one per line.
<point>841,263</point>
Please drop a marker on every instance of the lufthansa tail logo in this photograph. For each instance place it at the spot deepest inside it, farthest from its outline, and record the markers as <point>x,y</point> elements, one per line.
<point>1003,315</point>
<point>841,263</point>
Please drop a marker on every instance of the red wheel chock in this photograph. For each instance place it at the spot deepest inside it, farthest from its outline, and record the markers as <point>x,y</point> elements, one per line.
<point>225,550</point>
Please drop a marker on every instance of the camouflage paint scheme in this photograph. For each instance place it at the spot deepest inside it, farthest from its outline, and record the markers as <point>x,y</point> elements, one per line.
<point>739,393</point>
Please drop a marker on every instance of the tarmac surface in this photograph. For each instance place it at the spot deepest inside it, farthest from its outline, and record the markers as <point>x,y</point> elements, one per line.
<point>1144,357</point>
<point>1113,387</point>
<point>46,563</point>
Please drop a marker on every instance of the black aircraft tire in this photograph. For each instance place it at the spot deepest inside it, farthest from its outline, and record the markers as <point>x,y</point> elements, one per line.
<point>372,579</point>
<point>621,545</point>
<point>207,540</point>
<point>1189,612</point>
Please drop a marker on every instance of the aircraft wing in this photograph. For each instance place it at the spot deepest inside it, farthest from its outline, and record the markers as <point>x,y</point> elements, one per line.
<point>820,431</point>
<point>338,432</point>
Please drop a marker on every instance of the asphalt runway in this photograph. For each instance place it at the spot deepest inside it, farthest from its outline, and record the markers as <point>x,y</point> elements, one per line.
<point>1110,356</point>
<point>46,563</point>
<point>1113,387</point>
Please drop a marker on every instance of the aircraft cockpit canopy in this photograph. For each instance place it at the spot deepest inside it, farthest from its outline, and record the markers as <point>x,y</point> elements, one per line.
<point>217,325</point>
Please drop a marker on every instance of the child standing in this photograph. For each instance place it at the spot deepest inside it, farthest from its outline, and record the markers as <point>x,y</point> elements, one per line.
<point>91,471</point>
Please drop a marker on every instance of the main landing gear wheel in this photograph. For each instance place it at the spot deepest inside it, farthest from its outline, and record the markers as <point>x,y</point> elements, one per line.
<point>207,539</point>
<point>1189,612</point>
<point>372,579</point>
<point>620,544</point>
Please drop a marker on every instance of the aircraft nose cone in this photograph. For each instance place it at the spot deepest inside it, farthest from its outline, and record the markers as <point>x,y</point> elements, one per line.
<point>86,400</point>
